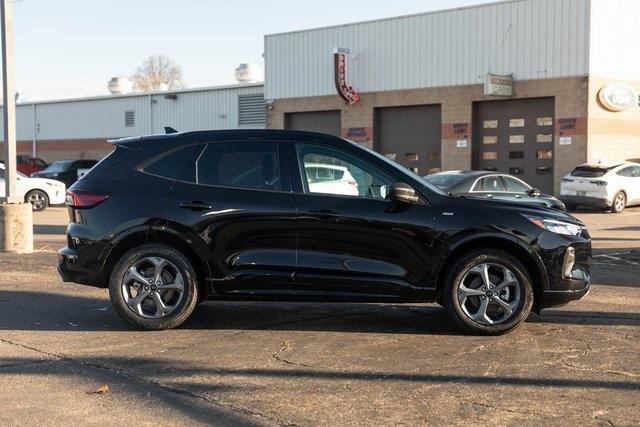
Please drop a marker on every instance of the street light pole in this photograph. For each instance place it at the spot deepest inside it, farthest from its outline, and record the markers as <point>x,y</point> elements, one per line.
<point>9,110</point>
<point>16,217</point>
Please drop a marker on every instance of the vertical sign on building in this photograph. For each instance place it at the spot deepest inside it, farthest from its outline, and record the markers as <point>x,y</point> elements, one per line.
<point>346,92</point>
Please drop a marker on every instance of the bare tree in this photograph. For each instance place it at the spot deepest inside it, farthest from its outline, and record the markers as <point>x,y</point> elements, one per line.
<point>158,72</point>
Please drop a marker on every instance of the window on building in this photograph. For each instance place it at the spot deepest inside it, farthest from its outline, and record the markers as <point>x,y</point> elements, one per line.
<point>490,124</point>
<point>490,139</point>
<point>544,137</point>
<point>544,154</point>
<point>516,171</point>
<point>544,121</point>
<point>516,139</point>
<point>516,155</point>
<point>129,118</point>
<point>516,123</point>
<point>490,155</point>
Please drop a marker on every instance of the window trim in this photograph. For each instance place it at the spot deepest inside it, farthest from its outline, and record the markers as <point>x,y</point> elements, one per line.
<point>299,165</point>
<point>499,175</point>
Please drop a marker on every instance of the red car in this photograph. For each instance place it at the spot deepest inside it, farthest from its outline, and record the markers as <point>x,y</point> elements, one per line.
<point>28,165</point>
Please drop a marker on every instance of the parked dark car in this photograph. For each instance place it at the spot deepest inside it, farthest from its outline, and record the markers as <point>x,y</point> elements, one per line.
<point>167,221</point>
<point>492,185</point>
<point>67,171</point>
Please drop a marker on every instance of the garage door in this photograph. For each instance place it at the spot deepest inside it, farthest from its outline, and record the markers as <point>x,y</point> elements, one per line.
<point>316,121</point>
<point>411,136</point>
<point>516,137</point>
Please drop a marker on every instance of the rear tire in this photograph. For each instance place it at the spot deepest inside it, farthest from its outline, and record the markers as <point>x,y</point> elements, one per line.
<point>619,202</point>
<point>38,199</point>
<point>153,287</point>
<point>488,292</point>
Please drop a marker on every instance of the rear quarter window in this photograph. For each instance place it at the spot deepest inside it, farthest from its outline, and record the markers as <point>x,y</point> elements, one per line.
<point>171,163</point>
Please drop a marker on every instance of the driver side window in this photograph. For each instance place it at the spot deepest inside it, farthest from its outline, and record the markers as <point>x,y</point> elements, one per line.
<point>334,172</point>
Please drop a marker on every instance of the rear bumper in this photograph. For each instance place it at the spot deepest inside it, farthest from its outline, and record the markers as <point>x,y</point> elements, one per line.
<point>71,271</point>
<point>595,202</point>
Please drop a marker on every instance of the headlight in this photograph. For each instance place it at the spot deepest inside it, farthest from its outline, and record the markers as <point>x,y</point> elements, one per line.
<point>555,226</point>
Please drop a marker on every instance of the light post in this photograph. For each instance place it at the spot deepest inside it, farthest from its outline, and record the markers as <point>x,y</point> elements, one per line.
<point>16,217</point>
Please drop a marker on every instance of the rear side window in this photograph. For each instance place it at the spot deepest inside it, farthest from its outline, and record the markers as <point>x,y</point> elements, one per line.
<point>173,162</point>
<point>490,183</point>
<point>238,164</point>
<point>515,186</point>
<point>628,172</point>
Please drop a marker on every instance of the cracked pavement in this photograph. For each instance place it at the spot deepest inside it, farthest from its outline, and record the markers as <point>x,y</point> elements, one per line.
<point>258,363</point>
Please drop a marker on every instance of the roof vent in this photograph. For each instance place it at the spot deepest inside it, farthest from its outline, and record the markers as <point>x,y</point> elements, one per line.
<point>248,73</point>
<point>119,85</point>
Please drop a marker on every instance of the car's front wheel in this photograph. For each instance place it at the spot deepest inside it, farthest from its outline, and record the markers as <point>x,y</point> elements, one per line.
<point>154,287</point>
<point>488,292</point>
<point>619,202</point>
<point>38,199</point>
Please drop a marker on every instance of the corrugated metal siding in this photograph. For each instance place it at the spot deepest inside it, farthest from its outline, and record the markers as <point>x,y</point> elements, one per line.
<point>615,39</point>
<point>105,117</point>
<point>530,38</point>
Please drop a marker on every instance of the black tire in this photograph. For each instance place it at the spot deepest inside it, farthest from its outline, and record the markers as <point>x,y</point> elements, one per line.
<point>183,307</point>
<point>38,199</point>
<point>496,259</point>
<point>619,202</point>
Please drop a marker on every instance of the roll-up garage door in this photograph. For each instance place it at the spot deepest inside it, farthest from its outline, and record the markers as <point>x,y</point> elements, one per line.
<point>411,136</point>
<point>516,136</point>
<point>315,121</point>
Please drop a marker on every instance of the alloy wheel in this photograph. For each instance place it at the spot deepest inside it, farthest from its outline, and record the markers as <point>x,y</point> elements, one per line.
<point>619,202</point>
<point>153,287</point>
<point>489,294</point>
<point>37,200</point>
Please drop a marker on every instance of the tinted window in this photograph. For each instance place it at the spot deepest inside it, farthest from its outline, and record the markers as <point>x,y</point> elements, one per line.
<point>60,166</point>
<point>590,171</point>
<point>172,163</point>
<point>341,173</point>
<point>40,163</point>
<point>490,183</point>
<point>239,164</point>
<point>515,186</point>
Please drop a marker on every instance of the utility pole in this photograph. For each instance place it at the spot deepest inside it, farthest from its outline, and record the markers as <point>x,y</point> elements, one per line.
<point>9,110</point>
<point>16,217</point>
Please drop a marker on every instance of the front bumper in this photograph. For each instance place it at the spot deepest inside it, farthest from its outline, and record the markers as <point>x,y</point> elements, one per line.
<point>71,271</point>
<point>576,288</point>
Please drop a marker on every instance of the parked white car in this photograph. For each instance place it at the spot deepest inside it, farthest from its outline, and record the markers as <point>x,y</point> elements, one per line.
<point>40,192</point>
<point>330,179</point>
<point>611,186</point>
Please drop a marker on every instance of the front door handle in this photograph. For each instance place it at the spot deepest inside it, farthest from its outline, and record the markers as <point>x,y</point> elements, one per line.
<point>195,206</point>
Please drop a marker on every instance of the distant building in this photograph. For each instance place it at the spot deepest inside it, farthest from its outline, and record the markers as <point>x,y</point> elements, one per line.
<point>530,87</point>
<point>79,128</point>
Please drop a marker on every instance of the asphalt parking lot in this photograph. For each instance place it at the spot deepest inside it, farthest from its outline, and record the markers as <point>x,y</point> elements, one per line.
<point>308,364</point>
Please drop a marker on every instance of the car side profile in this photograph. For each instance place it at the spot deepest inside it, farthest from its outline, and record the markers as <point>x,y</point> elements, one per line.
<point>492,185</point>
<point>66,171</point>
<point>168,221</point>
<point>606,186</point>
<point>40,192</point>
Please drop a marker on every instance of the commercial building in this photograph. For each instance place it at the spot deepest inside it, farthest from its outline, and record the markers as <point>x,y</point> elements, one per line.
<point>80,128</point>
<point>529,87</point>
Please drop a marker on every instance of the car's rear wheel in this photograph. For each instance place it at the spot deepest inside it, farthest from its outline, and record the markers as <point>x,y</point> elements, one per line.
<point>619,202</point>
<point>154,287</point>
<point>38,199</point>
<point>488,292</point>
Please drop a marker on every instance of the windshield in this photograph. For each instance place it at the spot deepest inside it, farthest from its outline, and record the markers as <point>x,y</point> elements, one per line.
<point>59,166</point>
<point>399,168</point>
<point>445,180</point>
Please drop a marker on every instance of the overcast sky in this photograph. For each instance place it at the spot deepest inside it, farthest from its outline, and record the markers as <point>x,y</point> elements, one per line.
<point>70,48</point>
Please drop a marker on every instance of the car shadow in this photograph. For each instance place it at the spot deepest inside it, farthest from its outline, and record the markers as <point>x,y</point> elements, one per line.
<point>49,229</point>
<point>33,311</point>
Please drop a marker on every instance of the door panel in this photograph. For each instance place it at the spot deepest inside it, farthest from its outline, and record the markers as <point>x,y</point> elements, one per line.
<point>249,232</point>
<point>316,121</point>
<point>411,136</point>
<point>358,245</point>
<point>516,136</point>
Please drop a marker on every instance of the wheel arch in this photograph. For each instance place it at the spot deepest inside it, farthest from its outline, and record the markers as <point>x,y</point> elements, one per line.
<point>155,235</point>
<point>534,265</point>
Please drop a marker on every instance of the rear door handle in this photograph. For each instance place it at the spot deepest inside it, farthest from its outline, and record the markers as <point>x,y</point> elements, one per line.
<point>195,206</point>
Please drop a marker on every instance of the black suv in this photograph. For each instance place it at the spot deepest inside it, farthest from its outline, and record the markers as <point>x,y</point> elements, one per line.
<point>168,221</point>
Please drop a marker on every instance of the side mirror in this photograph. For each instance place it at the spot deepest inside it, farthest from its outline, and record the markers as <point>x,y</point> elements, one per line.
<point>403,193</point>
<point>534,192</point>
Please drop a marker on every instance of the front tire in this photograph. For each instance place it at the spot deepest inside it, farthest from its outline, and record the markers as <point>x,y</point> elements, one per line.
<point>153,287</point>
<point>38,199</point>
<point>619,202</point>
<point>488,292</point>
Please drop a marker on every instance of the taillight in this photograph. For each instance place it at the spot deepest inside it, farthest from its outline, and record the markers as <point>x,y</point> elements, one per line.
<point>83,199</point>
<point>599,183</point>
